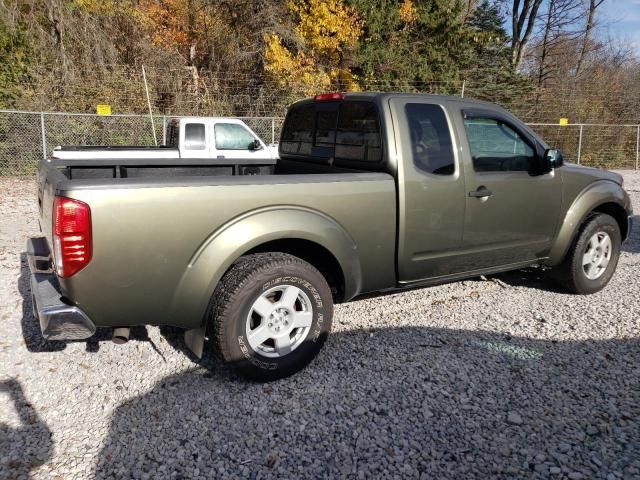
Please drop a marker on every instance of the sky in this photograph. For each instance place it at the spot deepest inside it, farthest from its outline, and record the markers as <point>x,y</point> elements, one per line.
<point>622,20</point>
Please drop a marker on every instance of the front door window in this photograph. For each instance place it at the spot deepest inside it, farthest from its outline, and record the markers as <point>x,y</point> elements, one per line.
<point>496,147</point>
<point>231,136</point>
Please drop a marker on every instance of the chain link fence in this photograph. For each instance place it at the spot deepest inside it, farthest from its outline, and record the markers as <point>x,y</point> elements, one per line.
<point>25,137</point>
<point>594,145</point>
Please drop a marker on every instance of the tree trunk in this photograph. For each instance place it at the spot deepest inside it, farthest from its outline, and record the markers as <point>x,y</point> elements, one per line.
<point>593,5</point>
<point>545,44</point>
<point>522,23</point>
<point>57,30</point>
<point>544,53</point>
<point>470,6</point>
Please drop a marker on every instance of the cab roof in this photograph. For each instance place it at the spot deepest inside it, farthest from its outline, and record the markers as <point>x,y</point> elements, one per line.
<point>381,96</point>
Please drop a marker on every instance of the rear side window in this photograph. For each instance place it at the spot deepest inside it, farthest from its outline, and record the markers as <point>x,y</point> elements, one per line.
<point>348,132</point>
<point>325,128</point>
<point>431,145</point>
<point>231,136</point>
<point>358,133</point>
<point>194,136</point>
<point>297,135</point>
<point>172,134</point>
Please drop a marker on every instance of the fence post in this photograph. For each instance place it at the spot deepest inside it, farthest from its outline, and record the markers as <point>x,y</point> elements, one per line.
<point>637,147</point>
<point>580,144</point>
<point>44,136</point>
<point>273,131</point>
<point>164,130</point>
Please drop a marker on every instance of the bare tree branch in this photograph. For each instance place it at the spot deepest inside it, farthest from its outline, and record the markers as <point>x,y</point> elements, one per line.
<point>593,5</point>
<point>521,34</point>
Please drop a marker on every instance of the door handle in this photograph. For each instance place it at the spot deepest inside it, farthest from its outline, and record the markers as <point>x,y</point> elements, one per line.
<point>481,192</point>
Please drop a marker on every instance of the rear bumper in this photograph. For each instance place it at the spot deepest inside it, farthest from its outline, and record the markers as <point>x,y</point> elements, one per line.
<point>58,320</point>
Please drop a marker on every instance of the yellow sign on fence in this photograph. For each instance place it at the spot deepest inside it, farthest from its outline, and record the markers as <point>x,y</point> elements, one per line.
<point>103,109</point>
<point>564,122</point>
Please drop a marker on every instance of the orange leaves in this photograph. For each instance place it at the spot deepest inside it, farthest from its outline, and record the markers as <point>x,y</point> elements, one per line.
<point>166,21</point>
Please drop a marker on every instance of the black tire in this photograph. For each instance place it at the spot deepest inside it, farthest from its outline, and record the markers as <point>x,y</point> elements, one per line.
<point>571,273</point>
<point>233,300</point>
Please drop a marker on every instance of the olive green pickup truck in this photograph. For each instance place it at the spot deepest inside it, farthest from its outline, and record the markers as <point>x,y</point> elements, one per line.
<point>372,193</point>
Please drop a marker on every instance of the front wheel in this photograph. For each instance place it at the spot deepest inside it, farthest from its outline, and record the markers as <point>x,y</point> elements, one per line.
<point>593,257</point>
<point>270,315</point>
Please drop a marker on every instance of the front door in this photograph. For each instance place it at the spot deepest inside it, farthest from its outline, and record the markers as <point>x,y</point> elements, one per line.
<point>512,210</point>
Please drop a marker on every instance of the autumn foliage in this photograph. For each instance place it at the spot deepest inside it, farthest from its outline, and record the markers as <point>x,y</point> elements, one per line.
<point>326,31</point>
<point>253,57</point>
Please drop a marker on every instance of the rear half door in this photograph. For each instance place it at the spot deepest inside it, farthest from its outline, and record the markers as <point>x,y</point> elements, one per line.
<point>512,208</point>
<point>431,190</point>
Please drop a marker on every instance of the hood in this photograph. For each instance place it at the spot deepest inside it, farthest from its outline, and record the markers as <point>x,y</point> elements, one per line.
<point>596,173</point>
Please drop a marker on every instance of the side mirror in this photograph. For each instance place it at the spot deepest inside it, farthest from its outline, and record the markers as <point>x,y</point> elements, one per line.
<point>255,145</point>
<point>553,158</point>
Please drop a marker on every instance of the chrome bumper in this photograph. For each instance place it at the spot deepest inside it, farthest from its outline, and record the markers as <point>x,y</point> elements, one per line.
<point>58,320</point>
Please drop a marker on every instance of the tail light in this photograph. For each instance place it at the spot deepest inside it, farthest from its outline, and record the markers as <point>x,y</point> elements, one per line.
<point>323,97</point>
<point>71,235</point>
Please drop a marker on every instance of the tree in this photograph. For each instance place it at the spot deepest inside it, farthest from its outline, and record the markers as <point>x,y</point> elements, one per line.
<point>17,62</point>
<point>486,17</point>
<point>326,32</point>
<point>522,23</point>
<point>557,37</point>
<point>469,7</point>
<point>490,42</point>
<point>593,5</point>
<point>412,45</point>
<point>489,73</point>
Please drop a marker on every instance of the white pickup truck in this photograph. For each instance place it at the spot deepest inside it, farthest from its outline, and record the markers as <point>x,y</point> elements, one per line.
<point>223,140</point>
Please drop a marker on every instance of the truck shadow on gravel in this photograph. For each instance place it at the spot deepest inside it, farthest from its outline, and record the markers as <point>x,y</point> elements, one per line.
<point>399,402</point>
<point>30,444</point>
<point>31,327</point>
<point>536,278</point>
<point>632,245</point>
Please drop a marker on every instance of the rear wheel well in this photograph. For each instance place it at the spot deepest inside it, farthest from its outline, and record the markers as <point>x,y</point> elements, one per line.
<point>618,213</point>
<point>316,255</point>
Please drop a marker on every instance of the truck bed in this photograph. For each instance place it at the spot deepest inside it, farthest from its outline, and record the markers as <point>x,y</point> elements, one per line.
<point>92,168</point>
<point>167,168</point>
<point>151,233</point>
<point>111,153</point>
<point>75,148</point>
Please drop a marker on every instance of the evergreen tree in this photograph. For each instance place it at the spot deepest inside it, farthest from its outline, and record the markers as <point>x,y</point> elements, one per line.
<point>488,18</point>
<point>490,73</point>
<point>410,45</point>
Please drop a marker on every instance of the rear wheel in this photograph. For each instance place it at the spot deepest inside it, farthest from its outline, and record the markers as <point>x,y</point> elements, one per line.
<point>593,257</point>
<point>270,315</point>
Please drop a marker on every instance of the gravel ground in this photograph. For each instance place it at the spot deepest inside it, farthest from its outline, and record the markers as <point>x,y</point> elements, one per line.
<point>505,378</point>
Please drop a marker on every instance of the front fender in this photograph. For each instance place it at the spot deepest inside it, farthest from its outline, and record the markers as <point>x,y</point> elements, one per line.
<point>594,195</point>
<point>250,230</point>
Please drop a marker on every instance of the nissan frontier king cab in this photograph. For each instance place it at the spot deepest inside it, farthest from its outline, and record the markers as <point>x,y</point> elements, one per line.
<point>372,192</point>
